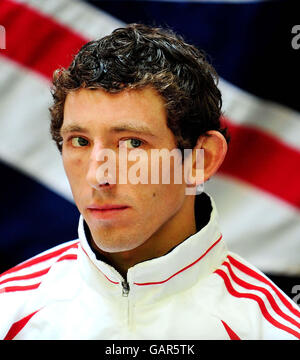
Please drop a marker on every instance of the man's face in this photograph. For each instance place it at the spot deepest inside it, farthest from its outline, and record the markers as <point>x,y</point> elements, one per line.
<point>121,217</point>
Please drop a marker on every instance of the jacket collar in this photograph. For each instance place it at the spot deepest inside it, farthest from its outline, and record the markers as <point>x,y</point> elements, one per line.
<point>190,261</point>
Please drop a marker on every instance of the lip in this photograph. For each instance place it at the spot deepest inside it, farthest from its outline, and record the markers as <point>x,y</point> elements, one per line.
<point>107,211</point>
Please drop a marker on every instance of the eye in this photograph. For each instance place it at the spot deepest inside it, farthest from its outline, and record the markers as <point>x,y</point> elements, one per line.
<point>132,143</point>
<point>79,141</point>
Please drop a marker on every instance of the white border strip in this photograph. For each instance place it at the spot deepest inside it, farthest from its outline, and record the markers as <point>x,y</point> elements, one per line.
<point>240,2</point>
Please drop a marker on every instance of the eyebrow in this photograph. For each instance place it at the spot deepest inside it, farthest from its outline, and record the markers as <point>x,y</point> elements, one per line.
<point>140,129</point>
<point>71,129</point>
<point>132,128</point>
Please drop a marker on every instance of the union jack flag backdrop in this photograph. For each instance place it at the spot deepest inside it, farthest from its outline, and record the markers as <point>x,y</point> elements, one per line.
<point>257,190</point>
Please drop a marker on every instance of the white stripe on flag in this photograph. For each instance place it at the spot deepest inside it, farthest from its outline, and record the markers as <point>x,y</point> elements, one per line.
<point>256,225</point>
<point>246,109</point>
<point>25,139</point>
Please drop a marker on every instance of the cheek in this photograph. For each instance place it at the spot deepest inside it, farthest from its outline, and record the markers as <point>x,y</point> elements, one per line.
<point>74,169</point>
<point>161,195</point>
<point>164,200</point>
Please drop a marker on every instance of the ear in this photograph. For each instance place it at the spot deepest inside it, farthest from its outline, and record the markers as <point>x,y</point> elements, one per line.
<point>214,147</point>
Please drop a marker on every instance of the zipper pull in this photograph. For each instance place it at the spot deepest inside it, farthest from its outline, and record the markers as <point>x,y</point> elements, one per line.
<point>126,288</point>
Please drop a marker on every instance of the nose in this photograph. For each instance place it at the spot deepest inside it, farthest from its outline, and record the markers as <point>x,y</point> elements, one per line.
<point>102,168</point>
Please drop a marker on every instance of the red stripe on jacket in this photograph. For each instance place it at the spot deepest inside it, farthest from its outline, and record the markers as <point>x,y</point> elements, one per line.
<point>18,326</point>
<point>259,301</point>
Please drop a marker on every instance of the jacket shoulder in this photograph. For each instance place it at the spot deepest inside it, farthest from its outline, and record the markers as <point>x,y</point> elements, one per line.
<point>36,266</point>
<point>268,309</point>
<point>19,286</point>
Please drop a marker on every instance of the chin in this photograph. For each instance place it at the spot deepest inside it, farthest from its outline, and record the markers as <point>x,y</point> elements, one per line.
<point>116,244</point>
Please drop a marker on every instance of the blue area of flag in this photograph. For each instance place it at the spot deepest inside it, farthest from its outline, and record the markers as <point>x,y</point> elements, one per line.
<point>249,44</point>
<point>39,216</point>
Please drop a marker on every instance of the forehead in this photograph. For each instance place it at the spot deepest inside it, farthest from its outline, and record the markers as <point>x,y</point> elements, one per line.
<point>94,108</point>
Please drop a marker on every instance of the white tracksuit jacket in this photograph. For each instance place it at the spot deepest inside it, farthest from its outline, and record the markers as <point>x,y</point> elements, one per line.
<point>199,290</point>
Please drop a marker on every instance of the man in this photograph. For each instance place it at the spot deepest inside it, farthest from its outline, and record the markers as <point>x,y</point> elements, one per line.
<point>150,261</point>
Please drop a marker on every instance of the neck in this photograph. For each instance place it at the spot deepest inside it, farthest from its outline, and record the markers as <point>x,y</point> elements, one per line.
<point>172,233</point>
<point>181,226</point>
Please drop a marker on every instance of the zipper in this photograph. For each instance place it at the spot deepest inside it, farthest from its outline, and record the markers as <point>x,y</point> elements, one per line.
<point>125,293</point>
<point>125,288</point>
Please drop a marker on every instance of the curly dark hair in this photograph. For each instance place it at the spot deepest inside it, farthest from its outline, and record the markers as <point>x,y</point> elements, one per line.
<point>137,56</point>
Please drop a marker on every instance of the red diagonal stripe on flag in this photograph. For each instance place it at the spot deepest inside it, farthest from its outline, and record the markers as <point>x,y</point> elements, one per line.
<point>264,161</point>
<point>35,40</point>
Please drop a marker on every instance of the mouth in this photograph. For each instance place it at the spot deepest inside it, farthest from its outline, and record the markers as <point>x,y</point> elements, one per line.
<point>107,211</point>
